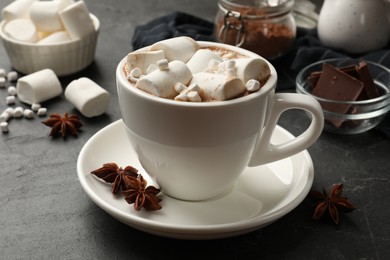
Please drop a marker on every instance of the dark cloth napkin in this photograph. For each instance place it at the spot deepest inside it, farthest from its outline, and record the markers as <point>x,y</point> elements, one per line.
<point>306,50</point>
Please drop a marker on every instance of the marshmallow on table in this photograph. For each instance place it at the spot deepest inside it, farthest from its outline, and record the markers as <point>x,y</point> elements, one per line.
<point>17,9</point>
<point>143,60</point>
<point>179,48</point>
<point>38,87</point>
<point>21,30</point>
<point>218,86</point>
<point>199,62</point>
<point>56,37</point>
<point>162,82</point>
<point>44,14</point>
<point>87,96</point>
<point>252,68</point>
<point>76,20</point>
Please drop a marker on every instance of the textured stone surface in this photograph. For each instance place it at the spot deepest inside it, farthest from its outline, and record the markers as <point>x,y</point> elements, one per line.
<point>45,214</point>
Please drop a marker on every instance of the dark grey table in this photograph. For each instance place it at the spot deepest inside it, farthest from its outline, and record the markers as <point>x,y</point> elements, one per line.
<point>45,214</point>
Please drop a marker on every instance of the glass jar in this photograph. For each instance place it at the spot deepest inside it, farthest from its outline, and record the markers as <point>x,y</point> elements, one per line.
<point>266,27</point>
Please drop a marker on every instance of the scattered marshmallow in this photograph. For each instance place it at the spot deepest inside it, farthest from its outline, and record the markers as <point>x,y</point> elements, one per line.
<point>2,73</point>
<point>12,76</point>
<point>4,117</point>
<point>179,48</point>
<point>252,85</point>
<point>161,83</point>
<point>9,110</point>
<point>11,90</point>
<point>17,9</point>
<point>10,100</point>
<point>35,107</point>
<point>199,62</point>
<point>3,82</point>
<point>44,14</point>
<point>87,96</point>
<point>218,87</point>
<point>18,112</point>
<point>38,87</point>
<point>76,20</point>
<point>144,60</point>
<point>42,111</point>
<point>4,127</point>
<point>252,68</point>
<point>21,30</point>
<point>28,113</point>
<point>56,37</point>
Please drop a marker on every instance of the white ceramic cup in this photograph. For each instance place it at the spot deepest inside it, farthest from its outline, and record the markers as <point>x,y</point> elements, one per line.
<point>196,151</point>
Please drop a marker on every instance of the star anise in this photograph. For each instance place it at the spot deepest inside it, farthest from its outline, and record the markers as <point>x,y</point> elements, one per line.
<point>142,196</point>
<point>333,203</point>
<point>63,124</point>
<point>121,178</point>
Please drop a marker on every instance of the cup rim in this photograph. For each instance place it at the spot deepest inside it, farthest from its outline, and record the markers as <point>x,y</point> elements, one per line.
<point>301,89</point>
<point>5,37</point>
<point>267,87</point>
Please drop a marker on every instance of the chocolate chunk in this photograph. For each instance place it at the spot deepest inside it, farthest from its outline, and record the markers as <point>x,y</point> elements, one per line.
<point>365,76</point>
<point>335,84</point>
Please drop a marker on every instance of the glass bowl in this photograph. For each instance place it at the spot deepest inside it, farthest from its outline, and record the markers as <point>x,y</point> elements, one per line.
<point>362,115</point>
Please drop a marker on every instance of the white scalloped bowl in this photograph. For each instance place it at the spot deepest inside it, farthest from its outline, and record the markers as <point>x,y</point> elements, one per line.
<point>63,58</point>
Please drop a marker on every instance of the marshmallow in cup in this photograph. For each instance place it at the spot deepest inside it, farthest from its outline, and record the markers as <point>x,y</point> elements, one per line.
<point>197,150</point>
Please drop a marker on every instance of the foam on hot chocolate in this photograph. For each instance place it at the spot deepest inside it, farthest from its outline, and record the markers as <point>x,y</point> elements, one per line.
<point>182,70</point>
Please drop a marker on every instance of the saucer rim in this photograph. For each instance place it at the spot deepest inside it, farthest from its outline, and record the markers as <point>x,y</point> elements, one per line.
<point>196,231</point>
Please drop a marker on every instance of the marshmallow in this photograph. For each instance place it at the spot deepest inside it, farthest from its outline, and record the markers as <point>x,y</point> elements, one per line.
<point>17,9</point>
<point>217,86</point>
<point>252,68</point>
<point>10,100</point>
<point>161,83</point>
<point>28,113</point>
<point>56,37</point>
<point>35,107</point>
<point>18,112</point>
<point>143,60</point>
<point>11,90</point>
<point>3,82</point>
<point>213,65</point>
<point>42,111</point>
<point>194,96</point>
<point>252,85</point>
<point>38,87</point>
<point>44,14</point>
<point>4,117</point>
<point>12,76</point>
<point>151,68</point>
<point>199,62</point>
<point>181,97</point>
<point>179,48</point>
<point>4,127</point>
<point>87,96</point>
<point>2,73</point>
<point>76,20</point>
<point>21,30</point>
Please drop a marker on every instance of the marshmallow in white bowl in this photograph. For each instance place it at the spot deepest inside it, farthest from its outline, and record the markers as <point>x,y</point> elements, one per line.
<point>199,62</point>
<point>162,82</point>
<point>76,20</point>
<point>218,87</point>
<point>179,48</point>
<point>87,96</point>
<point>44,14</point>
<point>22,30</point>
<point>143,60</point>
<point>17,9</point>
<point>38,87</point>
<point>56,37</point>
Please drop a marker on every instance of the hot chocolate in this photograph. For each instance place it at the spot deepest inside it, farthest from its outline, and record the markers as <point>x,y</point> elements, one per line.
<point>181,70</point>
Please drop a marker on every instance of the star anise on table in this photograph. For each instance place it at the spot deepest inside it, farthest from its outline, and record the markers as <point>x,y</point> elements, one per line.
<point>333,203</point>
<point>121,178</point>
<point>133,185</point>
<point>142,196</point>
<point>63,124</point>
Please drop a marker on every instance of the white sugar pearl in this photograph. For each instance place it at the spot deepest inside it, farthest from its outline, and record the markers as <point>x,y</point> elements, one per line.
<point>10,100</point>
<point>252,85</point>
<point>12,90</point>
<point>4,127</point>
<point>18,112</point>
<point>163,64</point>
<point>35,107</point>
<point>3,82</point>
<point>12,76</point>
<point>42,111</point>
<point>28,113</point>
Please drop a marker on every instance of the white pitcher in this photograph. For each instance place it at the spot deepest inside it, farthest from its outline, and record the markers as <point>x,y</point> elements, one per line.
<point>356,26</point>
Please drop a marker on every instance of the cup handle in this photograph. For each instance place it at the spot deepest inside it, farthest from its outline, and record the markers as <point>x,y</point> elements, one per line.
<point>265,151</point>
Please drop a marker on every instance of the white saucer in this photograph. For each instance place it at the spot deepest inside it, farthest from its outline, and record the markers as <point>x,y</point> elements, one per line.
<point>261,195</point>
